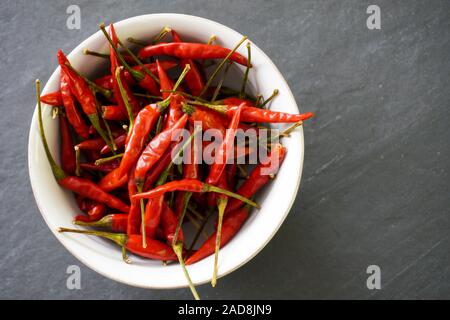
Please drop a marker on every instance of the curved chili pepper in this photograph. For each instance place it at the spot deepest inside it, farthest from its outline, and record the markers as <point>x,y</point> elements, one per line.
<point>190,171</point>
<point>89,189</point>
<point>185,50</point>
<point>152,217</point>
<point>257,180</point>
<point>105,82</point>
<point>53,99</point>
<point>113,180</point>
<point>95,213</point>
<point>82,93</point>
<point>190,185</point>
<point>158,168</point>
<point>84,187</point>
<point>104,167</point>
<point>68,162</point>
<point>114,113</point>
<point>232,223</point>
<point>225,149</point>
<point>155,149</point>
<point>144,122</point>
<point>194,79</point>
<point>155,249</point>
<point>175,112</point>
<point>116,222</point>
<point>258,115</point>
<point>134,215</point>
<point>72,113</point>
<point>91,144</point>
<point>165,82</point>
<point>119,142</point>
<point>169,223</point>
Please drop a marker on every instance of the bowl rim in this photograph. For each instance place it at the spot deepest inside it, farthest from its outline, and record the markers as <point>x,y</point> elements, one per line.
<point>86,262</point>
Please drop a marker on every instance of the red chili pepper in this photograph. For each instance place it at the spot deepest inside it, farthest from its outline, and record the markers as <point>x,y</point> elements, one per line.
<point>119,142</point>
<point>53,99</point>
<point>116,222</point>
<point>257,179</point>
<point>95,213</point>
<point>89,189</point>
<point>113,180</point>
<point>169,223</point>
<point>105,82</point>
<point>91,144</point>
<point>154,250</point>
<point>194,79</point>
<point>155,149</point>
<point>165,82</point>
<point>209,119</point>
<point>166,65</point>
<point>231,170</point>
<point>175,112</point>
<point>82,93</point>
<point>189,185</point>
<point>103,167</point>
<point>258,115</point>
<point>68,161</point>
<point>72,113</point>
<point>84,187</point>
<point>158,168</point>
<point>184,50</point>
<point>144,80</point>
<point>225,149</point>
<point>134,215</point>
<point>113,113</point>
<point>152,217</point>
<point>144,122</point>
<point>231,225</point>
<point>190,171</point>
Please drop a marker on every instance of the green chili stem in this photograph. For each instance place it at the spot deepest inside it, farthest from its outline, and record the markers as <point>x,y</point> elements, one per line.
<point>219,67</point>
<point>57,171</point>
<point>124,98</point>
<point>77,161</point>
<point>247,70</point>
<point>211,188</point>
<point>178,249</point>
<point>119,238</point>
<point>220,84</point>
<point>222,204</point>
<point>186,69</point>
<point>95,54</point>
<point>108,159</point>
<point>144,95</point>
<point>161,34</point>
<point>95,120</point>
<point>187,197</point>
<point>141,203</point>
<point>186,95</point>
<point>273,95</point>
<point>136,41</point>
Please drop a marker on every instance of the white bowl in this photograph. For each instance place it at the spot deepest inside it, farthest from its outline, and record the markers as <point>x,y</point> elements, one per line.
<point>58,207</point>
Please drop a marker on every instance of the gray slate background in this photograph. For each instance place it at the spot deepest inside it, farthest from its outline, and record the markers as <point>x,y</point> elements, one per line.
<point>375,186</point>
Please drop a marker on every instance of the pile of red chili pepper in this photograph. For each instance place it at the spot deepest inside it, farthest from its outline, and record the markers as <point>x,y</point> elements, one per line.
<point>117,148</point>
